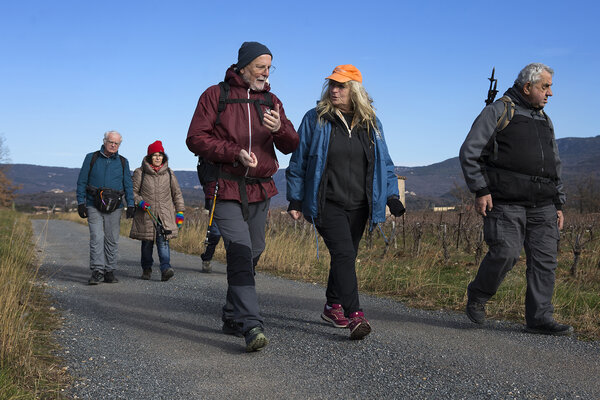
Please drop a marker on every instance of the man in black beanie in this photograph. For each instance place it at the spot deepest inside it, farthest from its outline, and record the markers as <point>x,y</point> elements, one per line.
<point>236,127</point>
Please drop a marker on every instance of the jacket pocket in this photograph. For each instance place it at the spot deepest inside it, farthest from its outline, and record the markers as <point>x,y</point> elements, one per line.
<point>507,187</point>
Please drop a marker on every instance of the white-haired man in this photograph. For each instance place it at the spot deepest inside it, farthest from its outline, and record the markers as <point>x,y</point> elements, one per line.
<point>104,178</point>
<point>510,161</point>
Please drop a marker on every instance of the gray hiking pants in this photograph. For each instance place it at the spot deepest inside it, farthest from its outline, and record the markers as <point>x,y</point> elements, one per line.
<point>244,243</point>
<point>507,228</point>
<point>104,238</point>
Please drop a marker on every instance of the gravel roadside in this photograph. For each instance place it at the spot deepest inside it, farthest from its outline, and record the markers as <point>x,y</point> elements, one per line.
<point>162,340</point>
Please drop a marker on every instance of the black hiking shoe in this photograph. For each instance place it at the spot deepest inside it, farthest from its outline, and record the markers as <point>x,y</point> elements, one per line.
<point>231,328</point>
<point>550,328</point>
<point>255,339</point>
<point>476,312</point>
<point>96,278</point>
<point>206,268</point>
<point>110,277</point>
<point>167,274</point>
<point>146,274</point>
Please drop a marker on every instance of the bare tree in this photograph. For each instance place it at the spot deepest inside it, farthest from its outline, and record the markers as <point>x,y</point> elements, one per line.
<point>579,236</point>
<point>7,189</point>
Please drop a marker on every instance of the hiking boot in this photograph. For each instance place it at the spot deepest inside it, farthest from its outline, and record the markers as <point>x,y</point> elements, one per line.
<point>96,277</point>
<point>334,314</point>
<point>206,268</point>
<point>167,274</point>
<point>109,277</point>
<point>230,327</point>
<point>358,325</point>
<point>550,328</point>
<point>255,339</point>
<point>146,274</point>
<point>475,311</point>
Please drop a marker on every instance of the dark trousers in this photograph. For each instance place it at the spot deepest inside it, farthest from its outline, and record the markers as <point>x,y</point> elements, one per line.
<point>507,228</point>
<point>244,243</point>
<point>164,253</point>
<point>342,230</point>
<point>213,241</point>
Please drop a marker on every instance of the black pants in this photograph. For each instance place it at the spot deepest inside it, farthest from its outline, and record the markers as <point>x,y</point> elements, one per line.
<point>342,230</point>
<point>213,241</point>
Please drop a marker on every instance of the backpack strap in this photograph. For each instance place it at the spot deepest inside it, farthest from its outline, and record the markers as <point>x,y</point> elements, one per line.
<point>224,100</point>
<point>223,97</point>
<point>92,162</point>
<point>507,114</point>
<point>503,121</point>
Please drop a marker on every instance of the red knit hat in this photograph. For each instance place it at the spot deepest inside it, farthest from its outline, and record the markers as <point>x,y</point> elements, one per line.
<point>156,147</point>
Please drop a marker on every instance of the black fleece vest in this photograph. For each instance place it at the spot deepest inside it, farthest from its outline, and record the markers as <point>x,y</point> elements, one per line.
<point>525,146</point>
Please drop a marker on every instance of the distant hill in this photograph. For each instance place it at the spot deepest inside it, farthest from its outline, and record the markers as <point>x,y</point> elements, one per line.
<point>426,185</point>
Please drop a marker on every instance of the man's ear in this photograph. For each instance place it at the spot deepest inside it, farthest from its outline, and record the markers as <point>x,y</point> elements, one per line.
<point>527,88</point>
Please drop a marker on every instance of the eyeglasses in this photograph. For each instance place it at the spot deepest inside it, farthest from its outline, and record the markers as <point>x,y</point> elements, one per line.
<point>113,143</point>
<point>261,68</point>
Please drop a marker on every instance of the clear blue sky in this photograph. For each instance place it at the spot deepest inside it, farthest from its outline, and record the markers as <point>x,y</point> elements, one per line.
<point>71,70</point>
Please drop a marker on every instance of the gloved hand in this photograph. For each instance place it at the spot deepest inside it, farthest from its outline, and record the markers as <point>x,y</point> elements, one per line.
<point>179,219</point>
<point>130,212</point>
<point>396,206</point>
<point>143,205</point>
<point>82,210</point>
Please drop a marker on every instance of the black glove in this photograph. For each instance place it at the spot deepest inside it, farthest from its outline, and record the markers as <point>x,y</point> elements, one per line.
<point>130,212</point>
<point>396,206</point>
<point>82,210</point>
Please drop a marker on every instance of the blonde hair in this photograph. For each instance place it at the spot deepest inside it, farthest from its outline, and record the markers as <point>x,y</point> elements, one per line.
<point>364,113</point>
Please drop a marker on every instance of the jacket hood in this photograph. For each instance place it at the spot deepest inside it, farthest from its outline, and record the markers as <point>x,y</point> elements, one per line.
<point>147,167</point>
<point>233,78</point>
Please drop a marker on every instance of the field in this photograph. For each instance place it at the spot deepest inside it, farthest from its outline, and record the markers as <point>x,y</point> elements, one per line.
<point>429,260</point>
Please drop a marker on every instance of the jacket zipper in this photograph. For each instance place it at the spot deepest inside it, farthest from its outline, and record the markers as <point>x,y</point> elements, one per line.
<point>249,130</point>
<point>339,113</point>
<point>537,131</point>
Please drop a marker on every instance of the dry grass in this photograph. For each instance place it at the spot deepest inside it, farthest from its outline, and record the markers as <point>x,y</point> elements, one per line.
<point>27,369</point>
<point>423,266</point>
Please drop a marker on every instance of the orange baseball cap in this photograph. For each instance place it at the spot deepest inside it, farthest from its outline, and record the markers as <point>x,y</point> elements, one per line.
<point>345,73</point>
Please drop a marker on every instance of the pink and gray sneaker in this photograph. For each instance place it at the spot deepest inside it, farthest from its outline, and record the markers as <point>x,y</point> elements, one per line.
<point>334,314</point>
<point>359,326</point>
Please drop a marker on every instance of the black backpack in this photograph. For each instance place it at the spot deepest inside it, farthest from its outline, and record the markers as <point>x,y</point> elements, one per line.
<point>209,172</point>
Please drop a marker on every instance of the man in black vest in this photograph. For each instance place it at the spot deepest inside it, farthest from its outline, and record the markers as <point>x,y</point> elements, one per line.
<point>515,173</point>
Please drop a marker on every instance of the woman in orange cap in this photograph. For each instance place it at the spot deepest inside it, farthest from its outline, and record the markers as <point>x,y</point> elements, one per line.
<point>340,176</point>
<point>158,197</point>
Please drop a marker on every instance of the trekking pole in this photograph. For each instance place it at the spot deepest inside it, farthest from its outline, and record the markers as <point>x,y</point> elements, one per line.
<point>158,225</point>
<point>492,92</point>
<point>211,215</point>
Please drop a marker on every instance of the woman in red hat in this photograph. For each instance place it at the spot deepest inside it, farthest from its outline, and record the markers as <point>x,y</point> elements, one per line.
<point>160,209</point>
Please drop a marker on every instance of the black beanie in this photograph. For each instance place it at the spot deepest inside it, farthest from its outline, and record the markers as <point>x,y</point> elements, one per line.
<point>249,51</point>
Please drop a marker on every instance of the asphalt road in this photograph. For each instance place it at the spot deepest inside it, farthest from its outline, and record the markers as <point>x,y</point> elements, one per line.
<point>162,340</point>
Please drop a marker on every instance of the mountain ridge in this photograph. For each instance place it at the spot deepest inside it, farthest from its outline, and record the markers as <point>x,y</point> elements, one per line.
<point>580,157</point>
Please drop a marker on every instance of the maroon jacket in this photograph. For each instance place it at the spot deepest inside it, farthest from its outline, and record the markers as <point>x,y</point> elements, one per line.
<point>240,127</point>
